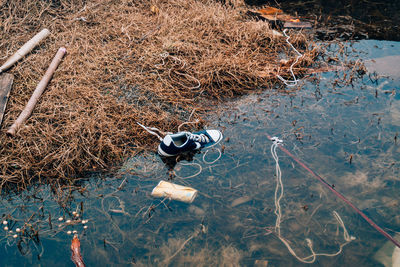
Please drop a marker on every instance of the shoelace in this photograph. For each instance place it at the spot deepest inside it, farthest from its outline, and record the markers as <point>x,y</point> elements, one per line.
<point>199,138</point>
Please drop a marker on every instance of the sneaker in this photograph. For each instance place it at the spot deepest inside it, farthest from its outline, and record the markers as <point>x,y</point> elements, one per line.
<point>174,144</point>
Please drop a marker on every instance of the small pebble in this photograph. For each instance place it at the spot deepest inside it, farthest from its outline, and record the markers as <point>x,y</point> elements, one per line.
<point>10,231</point>
<point>17,230</point>
<point>15,236</point>
<point>5,222</point>
<point>69,232</point>
<point>68,221</point>
<point>74,231</point>
<point>74,213</point>
<point>5,228</point>
<point>60,219</point>
<point>85,227</point>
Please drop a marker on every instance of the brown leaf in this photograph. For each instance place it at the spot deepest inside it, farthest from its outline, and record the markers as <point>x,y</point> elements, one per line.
<point>76,256</point>
<point>154,9</point>
<point>270,11</point>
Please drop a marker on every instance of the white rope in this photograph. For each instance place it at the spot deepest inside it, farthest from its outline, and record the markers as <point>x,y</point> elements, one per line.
<point>276,141</point>
<point>215,160</point>
<point>299,55</point>
<point>278,212</point>
<point>153,130</point>
<point>346,235</point>
<point>190,176</point>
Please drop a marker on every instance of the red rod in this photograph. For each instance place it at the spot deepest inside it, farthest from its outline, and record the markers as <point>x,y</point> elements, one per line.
<point>326,184</point>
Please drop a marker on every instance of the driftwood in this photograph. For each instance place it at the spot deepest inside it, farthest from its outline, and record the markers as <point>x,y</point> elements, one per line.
<point>37,93</point>
<point>25,49</point>
<point>6,81</point>
<point>76,256</point>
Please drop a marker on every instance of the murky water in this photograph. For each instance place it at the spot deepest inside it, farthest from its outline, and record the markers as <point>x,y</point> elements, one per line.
<point>348,134</point>
<point>355,19</point>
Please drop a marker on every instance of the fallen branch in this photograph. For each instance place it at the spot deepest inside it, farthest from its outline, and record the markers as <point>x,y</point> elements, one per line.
<point>25,49</point>
<point>37,93</point>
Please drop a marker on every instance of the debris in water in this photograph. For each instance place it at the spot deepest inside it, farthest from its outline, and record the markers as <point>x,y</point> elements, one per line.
<point>76,256</point>
<point>174,191</point>
<point>275,15</point>
<point>240,200</point>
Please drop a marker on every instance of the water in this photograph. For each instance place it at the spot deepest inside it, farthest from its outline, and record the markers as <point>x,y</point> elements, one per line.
<point>345,133</point>
<point>356,19</point>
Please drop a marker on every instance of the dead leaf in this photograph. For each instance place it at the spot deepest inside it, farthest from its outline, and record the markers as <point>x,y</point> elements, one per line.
<point>76,256</point>
<point>154,9</point>
<point>270,11</point>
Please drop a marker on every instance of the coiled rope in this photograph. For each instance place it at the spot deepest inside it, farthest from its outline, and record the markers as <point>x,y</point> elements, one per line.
<point>278,196</point>
<point>330,187</point>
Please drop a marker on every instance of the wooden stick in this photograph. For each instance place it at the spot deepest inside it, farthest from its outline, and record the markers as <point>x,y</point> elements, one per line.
<point>6,81</point>
<point>25,49</point>
<point>38,92</point>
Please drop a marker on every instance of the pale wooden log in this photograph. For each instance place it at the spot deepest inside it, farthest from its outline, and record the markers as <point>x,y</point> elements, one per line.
<point>25,49</point>
<point>37,93</point>
<point>6,81</point>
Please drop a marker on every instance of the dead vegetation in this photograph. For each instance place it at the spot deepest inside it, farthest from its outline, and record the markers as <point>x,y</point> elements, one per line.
<point>152,62</point>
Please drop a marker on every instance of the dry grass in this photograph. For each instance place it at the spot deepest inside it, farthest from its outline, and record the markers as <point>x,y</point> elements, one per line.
<point>125,63</point>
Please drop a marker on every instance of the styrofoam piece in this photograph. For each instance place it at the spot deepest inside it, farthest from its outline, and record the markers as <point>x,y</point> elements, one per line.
<point>174,191</point>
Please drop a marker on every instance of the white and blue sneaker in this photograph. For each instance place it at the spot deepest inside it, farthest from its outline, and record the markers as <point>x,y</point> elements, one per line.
<point>174,144</point>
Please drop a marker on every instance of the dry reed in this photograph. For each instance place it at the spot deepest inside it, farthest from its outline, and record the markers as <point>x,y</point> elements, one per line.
<point>152,62</point>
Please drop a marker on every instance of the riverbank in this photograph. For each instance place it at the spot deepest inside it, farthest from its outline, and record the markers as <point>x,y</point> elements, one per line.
<point>160,64</point>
